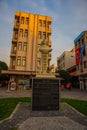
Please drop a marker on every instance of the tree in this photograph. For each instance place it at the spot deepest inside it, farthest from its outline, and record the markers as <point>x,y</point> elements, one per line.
<point>3,66</point>
<point>65,75</point>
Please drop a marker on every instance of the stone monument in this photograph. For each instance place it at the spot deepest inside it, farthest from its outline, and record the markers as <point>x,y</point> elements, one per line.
<point>45,90</point>
<point>44,49</point>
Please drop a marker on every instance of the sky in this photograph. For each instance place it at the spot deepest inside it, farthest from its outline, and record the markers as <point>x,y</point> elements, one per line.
<point>69,19</point>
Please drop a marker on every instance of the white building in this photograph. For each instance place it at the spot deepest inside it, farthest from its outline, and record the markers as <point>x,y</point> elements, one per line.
<point>66,60</point>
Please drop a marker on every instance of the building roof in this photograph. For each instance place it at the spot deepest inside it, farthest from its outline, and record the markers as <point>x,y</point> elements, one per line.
<point>78,37</point>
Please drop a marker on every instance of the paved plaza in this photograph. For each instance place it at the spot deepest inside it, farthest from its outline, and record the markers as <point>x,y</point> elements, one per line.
<point>73,94</point>
<point>24,118</point>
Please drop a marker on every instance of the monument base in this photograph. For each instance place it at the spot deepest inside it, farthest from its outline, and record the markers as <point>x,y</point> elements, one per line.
<point>45,93</point>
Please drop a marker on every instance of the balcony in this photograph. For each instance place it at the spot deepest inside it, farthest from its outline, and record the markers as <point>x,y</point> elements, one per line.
<point>49,30</point>
<point>16,23</point>
<point>13,54</point>
<point>14,42</point>
<point>15,28</point>
<point>14,39</point>
<point>50,43</point>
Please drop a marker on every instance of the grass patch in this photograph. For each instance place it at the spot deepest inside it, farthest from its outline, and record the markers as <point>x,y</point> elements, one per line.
<point>79,105</point>
<point>15,128</point>
<point>7,105</point>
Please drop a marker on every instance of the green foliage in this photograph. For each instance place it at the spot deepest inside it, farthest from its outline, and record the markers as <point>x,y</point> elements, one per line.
<point>7,105</point>
<point>65,75</point>
<point>3,66</point>
<point>79,105</point>
<point>14,128</point>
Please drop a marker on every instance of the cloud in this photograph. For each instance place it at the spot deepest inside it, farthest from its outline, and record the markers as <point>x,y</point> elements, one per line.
<point>69,20</point>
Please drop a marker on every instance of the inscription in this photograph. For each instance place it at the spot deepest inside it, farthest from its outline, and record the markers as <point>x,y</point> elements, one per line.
<point>45,94</point>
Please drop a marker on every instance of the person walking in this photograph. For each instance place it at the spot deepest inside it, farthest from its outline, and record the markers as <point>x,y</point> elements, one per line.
<point>68,86</point>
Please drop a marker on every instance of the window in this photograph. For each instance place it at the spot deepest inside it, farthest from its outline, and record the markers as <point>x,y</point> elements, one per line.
<point>14,50</point>
<point>77,67</point>
<point>21,32</point>
<point>48,25</point>
<point>40,35</point>
<point>44,35</point>
<point>85,64</point>
<point>22,20</point>
<point>13,62</point>
<point>72,56</point>
<point>26,33</point>
<point>63,64</point>
<point>27,21</point>
<point>16,34</point>
<point>20,46</point>
<point>23,61</point>
<point>19,61</point>
<point>40,23</point>
<point>82,41</point>
<point>17,22</point>
<point>25,47</point>
<point>44,23</point>
<point>17,19</point>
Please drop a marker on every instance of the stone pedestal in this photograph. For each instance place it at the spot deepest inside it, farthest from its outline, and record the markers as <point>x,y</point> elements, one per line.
<point>45,94</point>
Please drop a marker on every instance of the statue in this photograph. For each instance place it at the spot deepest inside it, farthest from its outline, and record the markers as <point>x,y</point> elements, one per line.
<point>44,49</point>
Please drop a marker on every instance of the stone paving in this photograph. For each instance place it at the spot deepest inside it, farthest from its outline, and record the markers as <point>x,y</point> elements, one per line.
<point>66,118</point>
<point>4,93</point>
<point>73,94</point>
<point>51,123</point>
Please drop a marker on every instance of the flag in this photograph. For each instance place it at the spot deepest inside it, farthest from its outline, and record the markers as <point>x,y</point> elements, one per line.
<point>82,48</point>
<point>81,53</point>
<point>77,52</point>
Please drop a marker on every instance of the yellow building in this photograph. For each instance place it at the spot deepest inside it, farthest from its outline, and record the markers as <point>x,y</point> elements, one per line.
<point>28,33</point>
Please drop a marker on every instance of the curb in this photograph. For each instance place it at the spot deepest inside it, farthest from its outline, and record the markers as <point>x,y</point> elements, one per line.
<point>12,114</point>
<point>75,110</point>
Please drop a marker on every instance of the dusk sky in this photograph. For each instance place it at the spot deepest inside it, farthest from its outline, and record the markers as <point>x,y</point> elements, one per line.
<point>69,20</point>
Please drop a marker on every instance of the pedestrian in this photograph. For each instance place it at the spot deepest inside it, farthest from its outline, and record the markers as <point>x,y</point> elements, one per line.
<point>68,86</point>
<point>62,86</point>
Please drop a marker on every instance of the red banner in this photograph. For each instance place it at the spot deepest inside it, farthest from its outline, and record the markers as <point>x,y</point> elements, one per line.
<point>77,52</point>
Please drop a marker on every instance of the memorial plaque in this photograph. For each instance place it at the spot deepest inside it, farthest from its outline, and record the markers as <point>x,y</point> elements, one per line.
<point>45,94</point>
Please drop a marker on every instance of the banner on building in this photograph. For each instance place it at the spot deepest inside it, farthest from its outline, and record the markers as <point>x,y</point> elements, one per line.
<point>77,52</point>
<point>82,52</point>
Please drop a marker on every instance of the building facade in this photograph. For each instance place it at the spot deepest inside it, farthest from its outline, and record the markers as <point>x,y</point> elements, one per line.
<point>80,43</point>
<point>66,60</point>
<point>28,32</point>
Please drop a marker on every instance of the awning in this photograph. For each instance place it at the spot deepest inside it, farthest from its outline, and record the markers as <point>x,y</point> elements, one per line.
<point>18,72</point>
